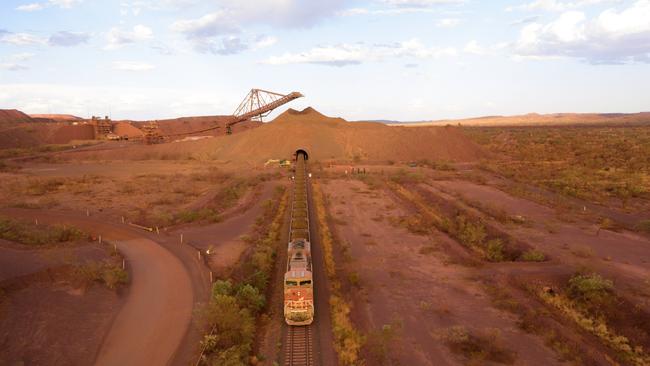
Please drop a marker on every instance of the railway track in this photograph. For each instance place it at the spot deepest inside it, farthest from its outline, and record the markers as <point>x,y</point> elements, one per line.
<point>298,345</point>
<point>299,350</point>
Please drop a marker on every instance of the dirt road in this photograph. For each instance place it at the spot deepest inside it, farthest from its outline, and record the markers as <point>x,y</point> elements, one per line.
<point>157,313</point>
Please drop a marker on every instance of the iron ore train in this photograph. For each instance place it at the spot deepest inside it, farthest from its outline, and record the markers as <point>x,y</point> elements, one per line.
<point>298,279</point>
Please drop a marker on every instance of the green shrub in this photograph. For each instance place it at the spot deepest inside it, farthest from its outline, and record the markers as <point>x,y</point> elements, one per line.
<point>249,297</point>
<point>494,251</point>
<point>470,233</point>
<point>222,287</point>
<point>533,255</point>
<point>234,307</point>
<point>109,274</point>
<point>234,330</point>
<point>114,276</point>
<point>591,292</point>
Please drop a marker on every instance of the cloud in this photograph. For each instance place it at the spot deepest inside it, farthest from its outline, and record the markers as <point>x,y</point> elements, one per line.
<point>20,39</point>
<point>422,3</point>
<point>396,7</point>
<point>224,46</point>
<point>31,7</point>
<point>354,54</point>
<point>526,20</point>
<point>231,16</point>
<point>209,25</point>
<point>232,45</point>
<point>118,37</point>
<point>68,39</point>
<point>263,41</point>
<point>555,5</point>
<point>613,37</point>
<point>16,62</point>
<point>474,48</point>
<point>447,23</point>
<point>282,13</point>
<point>64,4</point>
<point>216,32</point>
<point>132,102</point>
<point>132,66</point>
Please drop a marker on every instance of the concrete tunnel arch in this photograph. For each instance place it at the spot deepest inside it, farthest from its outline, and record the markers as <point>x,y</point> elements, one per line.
<point>301,151</point>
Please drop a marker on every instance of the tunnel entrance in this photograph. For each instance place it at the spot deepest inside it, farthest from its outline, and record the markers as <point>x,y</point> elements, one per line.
<point>299,152</point>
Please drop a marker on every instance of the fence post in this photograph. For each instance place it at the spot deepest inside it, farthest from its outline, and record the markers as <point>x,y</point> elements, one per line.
<point>123,264</point>
<point>36,220</point>
<point>210,276</point>
<point>181,238</point>
<point>87,212</point>
<point>122,219</point>
<point>100,239</point>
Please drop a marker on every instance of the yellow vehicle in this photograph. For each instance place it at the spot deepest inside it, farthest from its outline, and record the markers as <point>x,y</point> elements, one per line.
<point>298,285</point>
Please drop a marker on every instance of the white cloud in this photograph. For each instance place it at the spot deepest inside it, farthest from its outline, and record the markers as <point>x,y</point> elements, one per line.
<point>354,54</point>
<point>118,37</point>
<point>68,39</point>
<point>16,62</point>
<point>264,42</point>
<point>132,66</point>
<point>31,7</point>
<point>231,16</point>
<point>21,39</point>
<point>282,13</point>
<point>65,4</point>
<point>611,37</point>
<point>396,7</point>
<point>474,48</point>
<point>447,23</point>
<point>526,20</point>
<point>123,102</point>
<point>555,5</point>
<point>217,32</point>
<point>421,3</point>
<point>209,25</point>
<point>353,11</point>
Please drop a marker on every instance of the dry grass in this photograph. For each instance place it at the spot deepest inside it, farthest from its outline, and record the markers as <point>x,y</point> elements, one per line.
<point>596,163</point>
<point>24,232</point>
<point>590,301</point>
<point>347,340</point>
<point>477,348</point>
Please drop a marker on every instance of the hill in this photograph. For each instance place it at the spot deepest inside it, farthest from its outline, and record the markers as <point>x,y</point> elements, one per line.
<point>534,119</point>
<point>11,117</point>
<point>56,117</point>
<point>324,138</point>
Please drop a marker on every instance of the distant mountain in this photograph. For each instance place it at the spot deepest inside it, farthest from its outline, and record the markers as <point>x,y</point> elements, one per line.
<point>534,119</point>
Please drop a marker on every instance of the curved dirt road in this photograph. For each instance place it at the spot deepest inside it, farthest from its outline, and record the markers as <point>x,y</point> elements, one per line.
<point>157,313</point>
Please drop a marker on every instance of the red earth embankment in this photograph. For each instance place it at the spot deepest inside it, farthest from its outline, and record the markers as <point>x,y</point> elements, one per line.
<point>324,138</point>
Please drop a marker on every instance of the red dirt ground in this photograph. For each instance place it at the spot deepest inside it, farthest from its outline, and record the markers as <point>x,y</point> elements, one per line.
<point>156,315</point>
<point>423,292</point>
<point>624,256</point>
<point>46,324</point>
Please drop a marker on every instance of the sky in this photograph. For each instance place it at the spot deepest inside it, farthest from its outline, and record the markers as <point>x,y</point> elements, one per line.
<point>405,60</point>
